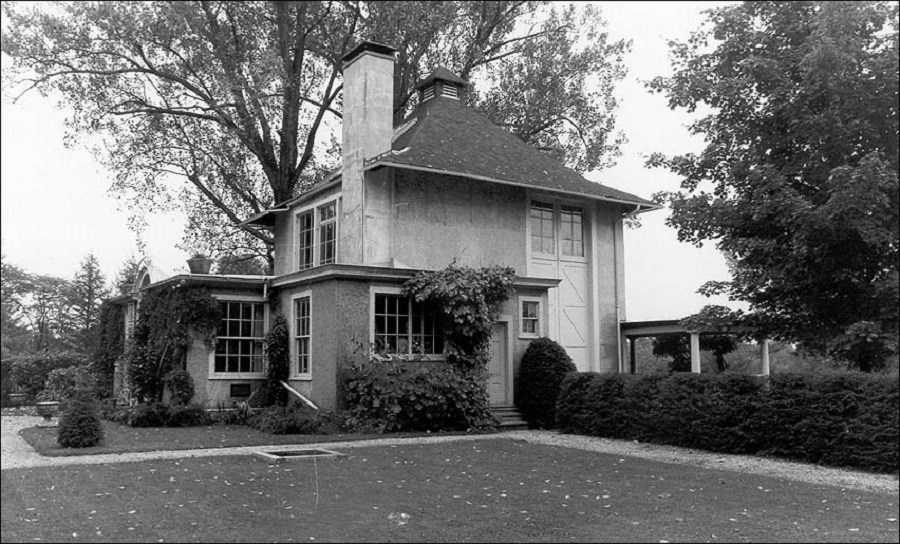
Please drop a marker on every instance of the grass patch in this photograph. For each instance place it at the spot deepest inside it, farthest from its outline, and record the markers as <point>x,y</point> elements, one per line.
<point>124,439</point>
<point>496,490</point>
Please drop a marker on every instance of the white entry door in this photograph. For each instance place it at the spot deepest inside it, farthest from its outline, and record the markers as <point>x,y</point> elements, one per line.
<point>498,368</point>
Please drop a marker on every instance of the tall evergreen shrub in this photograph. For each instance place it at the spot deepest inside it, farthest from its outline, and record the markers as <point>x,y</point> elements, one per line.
<point>543,368</point>
<point>278,361</point>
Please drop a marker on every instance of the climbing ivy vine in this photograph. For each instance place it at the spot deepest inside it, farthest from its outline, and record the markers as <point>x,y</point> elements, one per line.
<point>468,298</point>
<point>167,320</point>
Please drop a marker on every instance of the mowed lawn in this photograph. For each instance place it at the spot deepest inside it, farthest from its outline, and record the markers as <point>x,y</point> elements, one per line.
<point>490,490</point>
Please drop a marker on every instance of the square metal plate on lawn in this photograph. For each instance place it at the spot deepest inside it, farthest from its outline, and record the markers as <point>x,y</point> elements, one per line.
<point>278,456</point>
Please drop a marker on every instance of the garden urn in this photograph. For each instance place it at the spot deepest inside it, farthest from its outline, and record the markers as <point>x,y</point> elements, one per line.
<point>199,264</point>
<point>47,409</point>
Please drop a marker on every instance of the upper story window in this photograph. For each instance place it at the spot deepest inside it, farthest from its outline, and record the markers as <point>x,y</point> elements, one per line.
<point>404,327</point>
<point>556,226</point>
<point>316,231</point>
<point>571,233</point>
<point>305,242</point>
<point>327,232</point>
<point>543,238</point>
<point>239,339</point>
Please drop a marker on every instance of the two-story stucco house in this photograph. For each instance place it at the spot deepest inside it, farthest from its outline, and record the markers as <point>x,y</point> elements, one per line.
<point>445,184</point>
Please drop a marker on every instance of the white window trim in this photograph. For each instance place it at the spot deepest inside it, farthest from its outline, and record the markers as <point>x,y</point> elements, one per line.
<point>521,319</point>
<point>212,374</point>
<point>391,290</point>
<point>558,203</point>
<point>295,231</point>
<point>294,375</point>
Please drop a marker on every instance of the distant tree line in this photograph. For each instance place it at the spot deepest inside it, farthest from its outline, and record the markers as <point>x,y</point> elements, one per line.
<point>40,313</point>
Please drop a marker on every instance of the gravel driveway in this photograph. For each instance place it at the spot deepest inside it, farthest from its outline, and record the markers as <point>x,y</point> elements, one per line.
<point>16,453</point>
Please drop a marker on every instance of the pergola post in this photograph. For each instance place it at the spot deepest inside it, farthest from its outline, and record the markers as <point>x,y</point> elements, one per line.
<point>695,352</point>
<point>631,342</point>
<point>764,356</point>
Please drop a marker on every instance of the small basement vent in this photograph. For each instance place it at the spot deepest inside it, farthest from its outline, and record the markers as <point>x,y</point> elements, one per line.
<point>428,93</point>
<point>449,91</point>
<point>282,455</point>
<point>239,390</point>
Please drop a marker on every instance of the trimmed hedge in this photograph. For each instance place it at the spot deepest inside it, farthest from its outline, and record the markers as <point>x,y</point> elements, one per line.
<point>416,396</point>
<point>288,420</point>
<point>838,419</point>
<point>544,365</point>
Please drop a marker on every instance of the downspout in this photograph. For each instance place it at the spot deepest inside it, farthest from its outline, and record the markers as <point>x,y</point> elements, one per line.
<point>619,342</point>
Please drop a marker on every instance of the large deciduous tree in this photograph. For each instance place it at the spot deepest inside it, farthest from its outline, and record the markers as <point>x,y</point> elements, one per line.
<point>798,180</point>
<point>220,109</point>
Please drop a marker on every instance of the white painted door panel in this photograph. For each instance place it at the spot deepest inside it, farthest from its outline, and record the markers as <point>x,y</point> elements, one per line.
<point>498,379</point>
<point>573,321</point>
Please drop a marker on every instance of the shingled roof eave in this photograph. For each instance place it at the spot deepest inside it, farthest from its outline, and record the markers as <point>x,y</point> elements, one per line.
<point>385,160</point>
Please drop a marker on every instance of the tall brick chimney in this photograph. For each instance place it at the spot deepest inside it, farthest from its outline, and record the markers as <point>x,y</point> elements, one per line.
<point>368,112</point>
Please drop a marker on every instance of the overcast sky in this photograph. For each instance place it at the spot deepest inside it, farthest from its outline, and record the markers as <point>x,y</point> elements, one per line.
<point>56,209</point>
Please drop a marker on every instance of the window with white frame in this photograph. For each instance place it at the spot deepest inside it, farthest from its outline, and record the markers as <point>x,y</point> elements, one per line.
<point>327,232</point>
<point>542,236</point>
<point>529,317</point>
<point>316,235</point>
<point>302,335</point>
<point>405,327</point>
<point>571,234</point>
<point>305,239</point>
<point>239,338</point>
<point>557,230</point>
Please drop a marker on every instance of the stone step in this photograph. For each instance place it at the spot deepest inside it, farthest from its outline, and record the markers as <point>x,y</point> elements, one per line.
<point>510,418</point>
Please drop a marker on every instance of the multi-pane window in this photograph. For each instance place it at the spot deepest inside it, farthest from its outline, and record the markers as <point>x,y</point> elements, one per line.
<point>555,226</point>
<point>302,334</point>
<point>239,338</point>
<point>406,328</point>
<point>542,235</point>
<point>305,244</point>
<point>327,231</point>
<point>316,232</point>
<point>571,235</point>
<point>530,318</point>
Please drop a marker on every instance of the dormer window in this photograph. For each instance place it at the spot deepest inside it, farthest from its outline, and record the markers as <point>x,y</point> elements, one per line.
<point>428,93</point>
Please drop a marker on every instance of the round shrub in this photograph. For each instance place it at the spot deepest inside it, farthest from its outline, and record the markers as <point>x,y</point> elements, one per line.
<point>79,425</point>
<point>274,420</point>
<point>287,420</point>
<point>180,386</point>
<point>190,415</point>
<point>149,415</point>
<point>543,368</point>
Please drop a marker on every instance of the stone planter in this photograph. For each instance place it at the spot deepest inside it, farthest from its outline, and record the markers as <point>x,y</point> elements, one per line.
<point>17,399</point>
<point>199,265</point>
<point>47,409</point>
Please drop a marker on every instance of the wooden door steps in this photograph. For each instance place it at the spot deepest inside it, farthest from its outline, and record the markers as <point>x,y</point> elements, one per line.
<point>510,418</point>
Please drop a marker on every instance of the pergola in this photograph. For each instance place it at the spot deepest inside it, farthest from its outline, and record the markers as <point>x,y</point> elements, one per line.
<point>632,330</point>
